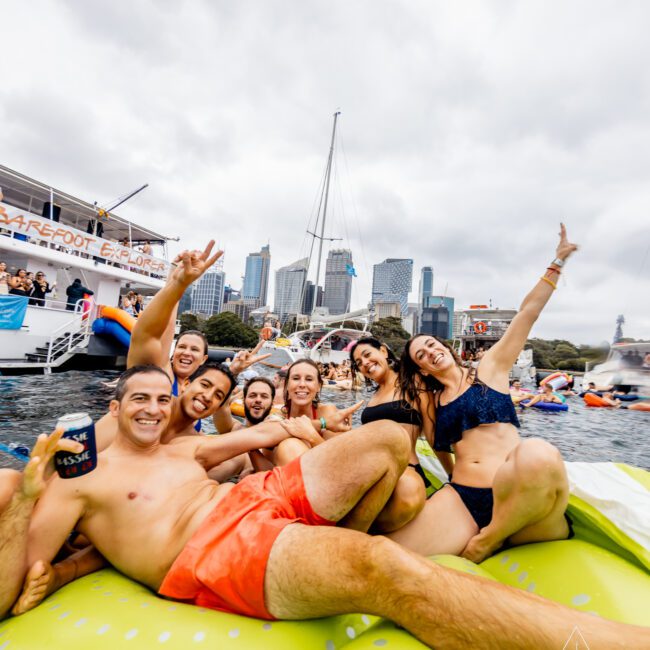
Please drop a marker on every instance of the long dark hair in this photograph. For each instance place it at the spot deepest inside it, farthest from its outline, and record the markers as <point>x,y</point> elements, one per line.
<point>412,382</point>
<point>393,362</point>
<point>286,409</point>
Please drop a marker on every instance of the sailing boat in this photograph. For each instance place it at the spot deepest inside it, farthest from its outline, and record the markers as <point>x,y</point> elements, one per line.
<point>321,341</point>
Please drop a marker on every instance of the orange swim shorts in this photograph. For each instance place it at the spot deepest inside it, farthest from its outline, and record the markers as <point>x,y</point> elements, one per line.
<point>223,564</point>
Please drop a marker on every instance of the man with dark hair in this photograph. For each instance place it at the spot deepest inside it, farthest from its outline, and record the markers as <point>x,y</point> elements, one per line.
<point>270,547</point>
<point>120,388</point>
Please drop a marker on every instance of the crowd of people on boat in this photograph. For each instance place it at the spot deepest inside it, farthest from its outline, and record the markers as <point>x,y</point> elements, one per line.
<point>292,513</point>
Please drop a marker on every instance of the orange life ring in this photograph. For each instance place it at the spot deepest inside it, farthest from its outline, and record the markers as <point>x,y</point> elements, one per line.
<point>480,327</point>
<point>266,333</point>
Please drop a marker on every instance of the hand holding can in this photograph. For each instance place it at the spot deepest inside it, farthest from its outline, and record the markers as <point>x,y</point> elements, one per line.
<point>78,427</point>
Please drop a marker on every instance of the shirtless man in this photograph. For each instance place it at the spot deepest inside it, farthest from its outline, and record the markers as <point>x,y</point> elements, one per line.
<point>547,395</point>
<point>268,547</point>
<point>18,494</point>
<point>516,394</point>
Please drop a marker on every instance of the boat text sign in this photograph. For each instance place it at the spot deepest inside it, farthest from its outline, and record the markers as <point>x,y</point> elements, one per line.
<point>53,232</point>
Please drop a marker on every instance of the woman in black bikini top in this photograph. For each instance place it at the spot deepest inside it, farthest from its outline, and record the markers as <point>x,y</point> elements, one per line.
<point>502,488</point>
<point>376,362</point>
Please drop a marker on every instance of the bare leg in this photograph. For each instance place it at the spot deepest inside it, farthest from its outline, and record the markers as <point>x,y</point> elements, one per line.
<point>362,469</point>
<point>406,502</point>
<point>531,492</point>
<point>316,571</point>
<point>443,526</point>
<point>44,579</point>
<point>288,450</point>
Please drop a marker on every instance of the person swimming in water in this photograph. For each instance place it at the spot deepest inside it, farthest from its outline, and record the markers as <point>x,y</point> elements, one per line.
<point>502,487</point>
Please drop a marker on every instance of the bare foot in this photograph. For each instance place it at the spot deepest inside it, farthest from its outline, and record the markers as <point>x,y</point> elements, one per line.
<point>40,582</point>
<point>480,547</point>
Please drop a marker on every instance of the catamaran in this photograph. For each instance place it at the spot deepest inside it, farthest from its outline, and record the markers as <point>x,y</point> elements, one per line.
<point>46,230</point>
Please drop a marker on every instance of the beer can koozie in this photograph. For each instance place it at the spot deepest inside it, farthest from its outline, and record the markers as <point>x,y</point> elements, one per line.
<point>79,427</point>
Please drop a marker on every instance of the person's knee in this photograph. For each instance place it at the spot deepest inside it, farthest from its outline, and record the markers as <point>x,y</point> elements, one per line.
<point>407,500</point>
<point>288,450</point>
<point>393,439</point>
<point>537,458</point>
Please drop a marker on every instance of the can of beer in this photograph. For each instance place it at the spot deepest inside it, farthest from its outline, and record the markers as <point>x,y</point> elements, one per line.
<point>79,427</point>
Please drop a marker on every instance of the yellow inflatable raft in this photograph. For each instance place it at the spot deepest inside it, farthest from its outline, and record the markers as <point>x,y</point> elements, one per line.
<point>604,570</point>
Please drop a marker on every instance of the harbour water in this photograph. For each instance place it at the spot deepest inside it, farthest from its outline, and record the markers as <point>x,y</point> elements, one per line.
<point>31,404</point>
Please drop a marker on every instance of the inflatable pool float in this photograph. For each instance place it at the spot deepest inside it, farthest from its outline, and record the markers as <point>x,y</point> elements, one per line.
<point>237,409</point>
<point>604,570</point>
<point>115,323</point>
<point>556,380</point>
<point>548,406</point>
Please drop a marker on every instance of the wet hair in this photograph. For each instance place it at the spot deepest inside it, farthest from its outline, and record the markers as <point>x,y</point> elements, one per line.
<point>201,335</point>
<point>144,369</point>
<point>282,373</point>
<point>213,365</point>
<point>412,383</point>
<point>262,380</point>
<point>378,345</point>
<point>287,402</point>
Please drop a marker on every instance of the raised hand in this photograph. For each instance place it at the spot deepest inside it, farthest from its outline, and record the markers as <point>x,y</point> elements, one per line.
<point>39,467</point>
<point>191,265</point>
<point>565,248</point>
<point>341,421</point>
<point>303,429</point>
<point>246,358</point>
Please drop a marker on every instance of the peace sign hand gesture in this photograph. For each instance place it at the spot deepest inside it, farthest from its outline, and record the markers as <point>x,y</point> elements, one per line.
<point>246,358</point>
<point>191,265</point>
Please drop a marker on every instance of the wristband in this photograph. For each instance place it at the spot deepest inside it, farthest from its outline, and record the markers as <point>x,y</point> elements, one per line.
<point>543,277</point>
<point>553,270</point>
<point>323,424</point>
<point>558,262</point>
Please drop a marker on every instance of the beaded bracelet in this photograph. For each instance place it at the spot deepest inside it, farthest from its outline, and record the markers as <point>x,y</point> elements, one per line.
<point>543,277</point>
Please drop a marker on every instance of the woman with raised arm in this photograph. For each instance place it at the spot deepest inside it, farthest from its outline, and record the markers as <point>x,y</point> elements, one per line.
<point>502,487</point>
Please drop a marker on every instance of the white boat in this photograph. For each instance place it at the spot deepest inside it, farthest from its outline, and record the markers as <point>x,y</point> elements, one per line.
<point>320,342</point>
<point>628,364</point>
<point>46,230</point>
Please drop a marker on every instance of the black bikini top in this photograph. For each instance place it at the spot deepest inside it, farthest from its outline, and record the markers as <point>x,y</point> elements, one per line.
<point>399,411</point>
<point>479,404</point>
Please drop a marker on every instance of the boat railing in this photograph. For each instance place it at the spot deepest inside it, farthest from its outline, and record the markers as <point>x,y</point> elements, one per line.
<point>68,336</point>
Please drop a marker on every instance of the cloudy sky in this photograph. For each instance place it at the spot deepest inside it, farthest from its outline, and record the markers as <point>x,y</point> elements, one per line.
<point>468,131</point>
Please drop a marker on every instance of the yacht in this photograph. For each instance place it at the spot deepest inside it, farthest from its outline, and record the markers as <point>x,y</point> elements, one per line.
<point>628,364</point>
<point>43,229</point>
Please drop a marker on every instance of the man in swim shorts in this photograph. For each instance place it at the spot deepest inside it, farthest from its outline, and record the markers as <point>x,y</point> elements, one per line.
<point>274,545</point>
<point>18,495</point>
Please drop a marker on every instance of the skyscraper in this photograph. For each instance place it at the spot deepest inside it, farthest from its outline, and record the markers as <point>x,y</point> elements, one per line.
<point>425,290</point>
<point>207,297</point>
<point>256,277</point>
<point>448,302</point>
<point>289,285</point>
<point>308,298</point>
<point>392,280</point>
<point>338,281</point>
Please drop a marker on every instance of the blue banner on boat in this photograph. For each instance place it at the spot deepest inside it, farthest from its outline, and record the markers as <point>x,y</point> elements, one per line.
<point>12,311</point>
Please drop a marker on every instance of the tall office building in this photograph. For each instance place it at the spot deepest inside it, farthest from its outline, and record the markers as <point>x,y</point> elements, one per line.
<point>256,278</point>
<point>289,286</point>
<point>425,289</point>
<point>448,302</point>
<point>185,303</point>
<point>338,281</point>
<point>392,280</point>
<point>436,321</point>
<point>308,298</point>
<point>207,297</point>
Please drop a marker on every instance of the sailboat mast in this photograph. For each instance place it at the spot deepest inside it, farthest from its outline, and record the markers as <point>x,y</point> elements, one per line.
<point>328,173</point>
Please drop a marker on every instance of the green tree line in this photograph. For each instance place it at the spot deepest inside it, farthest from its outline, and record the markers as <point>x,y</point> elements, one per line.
<point>225,329</point>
